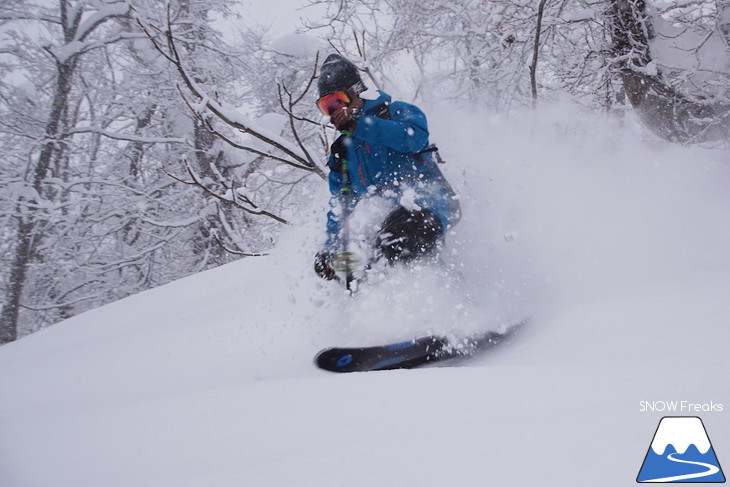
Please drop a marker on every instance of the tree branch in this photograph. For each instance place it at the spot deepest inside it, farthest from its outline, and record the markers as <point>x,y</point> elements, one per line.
<point>229,117</point>
<point>251,209</point>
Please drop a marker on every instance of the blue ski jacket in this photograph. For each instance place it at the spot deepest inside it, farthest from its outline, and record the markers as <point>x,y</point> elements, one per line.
<point>384,156</point>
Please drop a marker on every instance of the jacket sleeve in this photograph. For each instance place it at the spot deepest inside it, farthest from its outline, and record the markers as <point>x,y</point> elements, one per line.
<point>406,131</point>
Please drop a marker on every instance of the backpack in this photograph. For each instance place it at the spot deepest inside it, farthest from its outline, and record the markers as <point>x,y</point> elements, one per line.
<point>453,200</point>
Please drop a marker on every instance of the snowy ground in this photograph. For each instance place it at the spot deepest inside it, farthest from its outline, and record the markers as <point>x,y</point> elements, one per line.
<point>616,247</point>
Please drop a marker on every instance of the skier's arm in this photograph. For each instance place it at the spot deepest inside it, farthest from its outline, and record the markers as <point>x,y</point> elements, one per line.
<point>406,132</point>
<point>333,215</point>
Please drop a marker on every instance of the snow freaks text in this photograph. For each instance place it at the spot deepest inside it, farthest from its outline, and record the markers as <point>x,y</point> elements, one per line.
<point>680,407</point>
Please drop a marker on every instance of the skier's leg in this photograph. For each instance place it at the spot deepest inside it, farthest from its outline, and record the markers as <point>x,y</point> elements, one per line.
<point>409,234</point>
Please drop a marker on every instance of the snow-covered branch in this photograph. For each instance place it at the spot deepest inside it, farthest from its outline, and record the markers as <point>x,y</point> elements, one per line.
<point>75,48</point>
<point>298,156</point>
<point>243,203</point>
<point>126,137</point>
<point>106,11</point>
<point>671,113</point>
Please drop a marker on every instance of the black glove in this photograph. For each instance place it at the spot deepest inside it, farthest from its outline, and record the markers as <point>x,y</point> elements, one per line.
<point>345,119</point>
<point>323,265</point>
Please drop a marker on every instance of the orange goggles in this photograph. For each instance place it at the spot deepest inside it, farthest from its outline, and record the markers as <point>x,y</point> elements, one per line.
<point>329,104</point>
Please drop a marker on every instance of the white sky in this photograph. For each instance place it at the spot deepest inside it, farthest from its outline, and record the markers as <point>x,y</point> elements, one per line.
<point>283,16</point>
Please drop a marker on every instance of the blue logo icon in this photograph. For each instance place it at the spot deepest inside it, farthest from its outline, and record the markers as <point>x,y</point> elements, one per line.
<point>344,360</point>
<point>681,452</point>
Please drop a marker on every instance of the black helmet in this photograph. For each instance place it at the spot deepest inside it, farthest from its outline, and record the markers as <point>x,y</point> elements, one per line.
<point>337,74</point>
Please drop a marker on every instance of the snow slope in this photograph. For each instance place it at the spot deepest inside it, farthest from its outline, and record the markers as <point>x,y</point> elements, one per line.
<point>615,246</point>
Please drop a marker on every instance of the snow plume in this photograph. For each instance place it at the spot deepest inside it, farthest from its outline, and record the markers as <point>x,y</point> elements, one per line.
<point>559,207</point>
<point>578,205</point>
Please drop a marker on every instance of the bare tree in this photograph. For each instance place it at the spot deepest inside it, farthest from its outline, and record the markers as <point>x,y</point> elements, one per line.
<point>296,156</point>
<point>227,125</point>
<point>77,25</point>
<point>88,217</point>
<point>536,50</point>
<point>668,111</point>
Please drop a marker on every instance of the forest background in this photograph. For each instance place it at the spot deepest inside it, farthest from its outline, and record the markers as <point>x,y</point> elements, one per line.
<point>144,141</point>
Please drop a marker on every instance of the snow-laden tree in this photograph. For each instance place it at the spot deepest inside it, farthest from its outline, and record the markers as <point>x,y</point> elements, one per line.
<point>40,202</point>
<point>502,53</point>
<point>91,119</point>
<point>270,140</point>
<point>674,61</point>
<point>140,147</point>
<point>496,54</point>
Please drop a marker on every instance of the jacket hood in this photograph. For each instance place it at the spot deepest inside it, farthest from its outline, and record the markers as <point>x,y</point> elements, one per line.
<point>372,102</point>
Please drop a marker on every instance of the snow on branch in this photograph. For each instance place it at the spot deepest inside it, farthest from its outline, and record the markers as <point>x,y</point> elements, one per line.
<point>9,15</point>
<point>669,112</point>
<point>238,252</point>
<point>64,304</point>
<point>239,201</point>
<point>106,11</point>
<point>76,31</point>
<point>126,137</point>
<point>74,48</point>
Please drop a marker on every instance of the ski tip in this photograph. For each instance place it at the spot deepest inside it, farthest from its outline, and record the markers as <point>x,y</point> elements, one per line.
<point>334,360</point>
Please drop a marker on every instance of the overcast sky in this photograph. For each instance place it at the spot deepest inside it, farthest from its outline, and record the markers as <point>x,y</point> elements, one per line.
<point>282,16</point>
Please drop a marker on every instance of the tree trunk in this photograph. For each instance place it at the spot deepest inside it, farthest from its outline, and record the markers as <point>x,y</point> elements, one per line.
<point>667,112</point>
<point>536,52</point>
<point>723,20</point>
<point>27,213</point>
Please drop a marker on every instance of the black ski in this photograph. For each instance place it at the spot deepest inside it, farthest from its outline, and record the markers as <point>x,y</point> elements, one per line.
<point>409,354</point>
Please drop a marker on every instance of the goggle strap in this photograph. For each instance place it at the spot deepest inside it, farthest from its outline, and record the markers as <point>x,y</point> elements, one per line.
<point>358,87</point>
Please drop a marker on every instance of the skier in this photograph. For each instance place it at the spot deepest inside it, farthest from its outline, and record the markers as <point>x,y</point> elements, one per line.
<point>383,150</point>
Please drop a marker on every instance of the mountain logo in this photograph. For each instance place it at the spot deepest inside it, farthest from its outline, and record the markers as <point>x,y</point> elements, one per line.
<point>680,452</point>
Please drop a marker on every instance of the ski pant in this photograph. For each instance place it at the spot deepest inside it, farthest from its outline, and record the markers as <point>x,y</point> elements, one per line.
<point>409,234</point>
